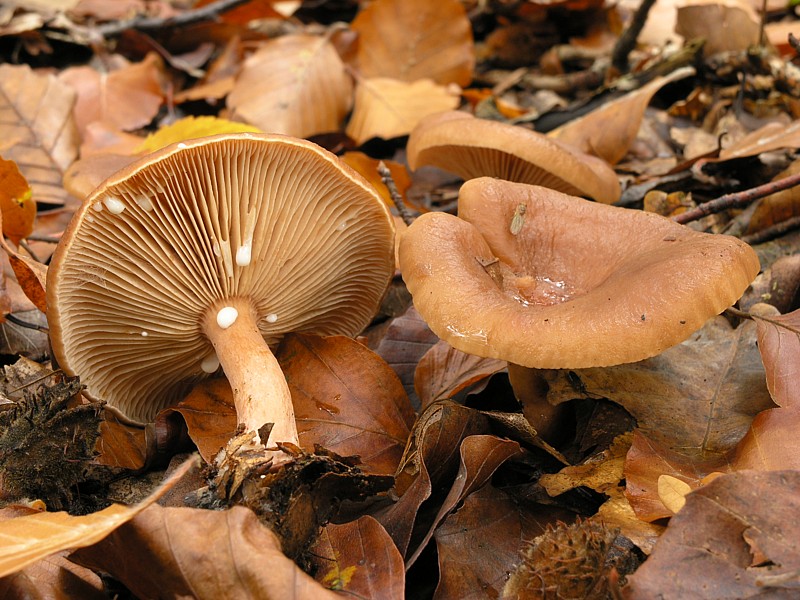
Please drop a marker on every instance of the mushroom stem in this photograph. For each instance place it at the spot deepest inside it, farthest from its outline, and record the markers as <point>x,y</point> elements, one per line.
<point>260,392</point>
<point>550,421</point>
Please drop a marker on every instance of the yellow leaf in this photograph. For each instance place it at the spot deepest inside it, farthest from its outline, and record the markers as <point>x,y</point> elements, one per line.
<point>189,128</point>
<point>16,202</point>
<point>672,492</point>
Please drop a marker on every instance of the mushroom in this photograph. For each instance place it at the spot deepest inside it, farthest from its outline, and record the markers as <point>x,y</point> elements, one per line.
<point>204,254</point>
<point>470,147</point>
<point>548,281</point>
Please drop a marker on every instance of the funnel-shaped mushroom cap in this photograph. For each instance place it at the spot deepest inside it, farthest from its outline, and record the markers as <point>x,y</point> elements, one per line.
<point>273,221</point>
<point>458,142</point>
<point>579,285</point>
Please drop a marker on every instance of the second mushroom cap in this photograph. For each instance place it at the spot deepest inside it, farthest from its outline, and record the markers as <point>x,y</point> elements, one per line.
<point>565,283</point>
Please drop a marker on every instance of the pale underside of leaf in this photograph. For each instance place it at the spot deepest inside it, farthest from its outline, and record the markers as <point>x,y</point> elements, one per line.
<point>37,129</point>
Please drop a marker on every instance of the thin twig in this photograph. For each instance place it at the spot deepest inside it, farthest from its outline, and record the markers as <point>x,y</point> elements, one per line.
<point>25,324</point>
<point>388,181</point>
<point>33,381</point>
<point>208,12</point>
<point>627,41</point>
<point>773,231</point>
<point>737,199</point>
<point>735,312</point>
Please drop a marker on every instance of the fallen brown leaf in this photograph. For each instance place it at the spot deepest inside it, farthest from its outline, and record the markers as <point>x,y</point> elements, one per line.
<point>737,537</point>
<point>359,559</point>
<point>195,553</point>
<point>346,399</point>
<point>295,84</point>
<point>39,130</point>
<point>415,39</point>
<point>389,108</point>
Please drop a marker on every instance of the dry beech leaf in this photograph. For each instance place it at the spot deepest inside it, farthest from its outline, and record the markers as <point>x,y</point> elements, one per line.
<point>779,206</point>
<point>389,108</point>
<point>209,414</point>
<point>33,537</point>
<point>772,442</point>
<point>37,129</point>
<point>16,202</point>
<point>672,492</point>
<point>415,39</point>
<point>480,456</point>
<point>772,136</point>
<point>647,461</point>
<point>725,25</point>
<point>616,512</point>
<point>403,343</point>
<point>85,174</point>
<point>368,168</point>
<point>121,445</point>
<point>127,98</point>
<point>444,371</point>
<point>609,131</point>
<point>699,396</point>
<point>359,559</point>
<point>601,473</point>
<point>346,399</point>
<point>430,462</point>
<point>31,275</point>
<point>194,553</point>
<point>737,537</point>
<point>480,544</point>
<point>296,85</point>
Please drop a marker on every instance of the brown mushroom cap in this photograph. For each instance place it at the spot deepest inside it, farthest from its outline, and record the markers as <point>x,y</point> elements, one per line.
<point>580,285</point>
<point>458,142</point>
<point>266,222</point>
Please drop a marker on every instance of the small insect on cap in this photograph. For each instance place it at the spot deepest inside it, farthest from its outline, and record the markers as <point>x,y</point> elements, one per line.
<point>470,147</point>
<point>565,283</point>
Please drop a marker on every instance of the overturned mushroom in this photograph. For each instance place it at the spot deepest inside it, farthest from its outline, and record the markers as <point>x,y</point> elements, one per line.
<point>470,147</point>
<point>202,255</point>
<point>570,284</point>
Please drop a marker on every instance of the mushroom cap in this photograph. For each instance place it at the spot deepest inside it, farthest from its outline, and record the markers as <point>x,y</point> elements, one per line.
<point>470,147</point>
<point>271,218</point>
<point>580,285</point>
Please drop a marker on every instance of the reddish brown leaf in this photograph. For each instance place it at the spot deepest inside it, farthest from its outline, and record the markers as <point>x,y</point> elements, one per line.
<point>480,544</point>
<point>209,414</point>
<point>194,553</point>
<point>121,445</point>
<point>347,399</point>
<point>415,39</point>
<point>480,457</point>
<point>403,344</point>
<point>430,463</point>
<point>779,344</point>
<point>444,371</point>
<point>737,537</point>
<point>359,559</point>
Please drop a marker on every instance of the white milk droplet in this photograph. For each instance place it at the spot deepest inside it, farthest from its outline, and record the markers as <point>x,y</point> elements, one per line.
<point>98,206</point>
<point>244,254</point>
<point>114,205</point>
<point>271,318</point>
<point>144,203</point>
<point>210,363</point>
<point>145,334</point>
<point>227,316</point>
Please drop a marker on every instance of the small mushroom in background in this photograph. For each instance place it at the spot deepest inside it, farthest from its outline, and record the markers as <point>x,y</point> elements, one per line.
<point>460,143</point>
<point>204,254</point>
<point>570,284</point>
